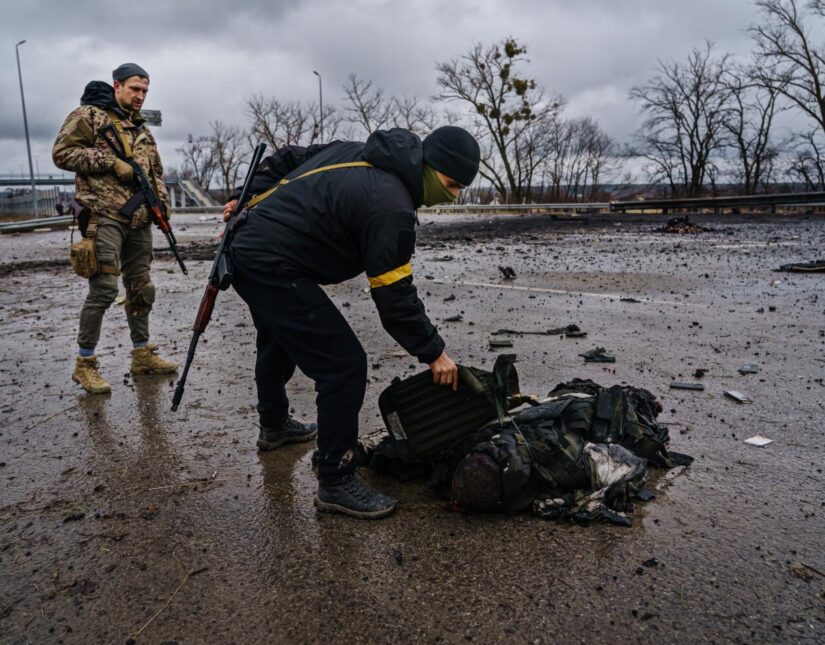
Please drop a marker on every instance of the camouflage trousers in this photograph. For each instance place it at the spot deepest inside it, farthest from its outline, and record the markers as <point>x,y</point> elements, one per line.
<point>130,251</point>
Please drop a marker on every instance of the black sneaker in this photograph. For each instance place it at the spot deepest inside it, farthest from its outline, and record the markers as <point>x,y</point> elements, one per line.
<point>351,496</point>
<point>291,431</point>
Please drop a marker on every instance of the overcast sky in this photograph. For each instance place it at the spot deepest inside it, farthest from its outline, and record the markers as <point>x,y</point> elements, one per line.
<point>206,57</point>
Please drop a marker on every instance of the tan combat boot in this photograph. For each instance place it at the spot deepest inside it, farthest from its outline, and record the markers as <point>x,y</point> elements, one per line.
<point>86,373</point>
<point>146,361</point>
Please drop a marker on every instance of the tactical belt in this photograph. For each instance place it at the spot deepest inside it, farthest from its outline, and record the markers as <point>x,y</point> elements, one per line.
<point>257,199</point>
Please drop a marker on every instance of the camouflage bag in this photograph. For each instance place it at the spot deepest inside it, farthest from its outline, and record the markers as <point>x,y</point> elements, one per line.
<point>84,258</point>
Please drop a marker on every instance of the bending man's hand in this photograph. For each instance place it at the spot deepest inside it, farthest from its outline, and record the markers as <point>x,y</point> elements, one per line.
<point>445,372</point>
<point>228,208</point>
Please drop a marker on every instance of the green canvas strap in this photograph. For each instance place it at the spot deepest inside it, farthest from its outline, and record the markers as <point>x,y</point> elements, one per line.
<point>121,134</point>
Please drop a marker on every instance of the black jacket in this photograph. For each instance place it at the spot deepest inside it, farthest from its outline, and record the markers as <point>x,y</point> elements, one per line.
<point>334,225</point>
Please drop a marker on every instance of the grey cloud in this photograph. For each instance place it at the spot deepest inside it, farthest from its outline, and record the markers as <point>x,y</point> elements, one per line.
<point>207,57</point>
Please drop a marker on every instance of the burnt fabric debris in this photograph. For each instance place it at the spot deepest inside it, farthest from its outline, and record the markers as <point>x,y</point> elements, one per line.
<point>683,226</point>
<point>598,355</point>
<point>817,266</point>
<point>581,454</point>
<point>571,331</point>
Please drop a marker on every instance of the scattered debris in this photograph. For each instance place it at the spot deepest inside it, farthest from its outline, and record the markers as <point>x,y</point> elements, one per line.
<point>749,369</point>
<point>804,571</point>
<point>817,266</point>
<point>500,342</point>
<point>629,299</point>
<point>682,226</point>
<point>598,355</point>
<point>456,318</point>
<point>700,372</point>
<point>737,396</point>
<point>676,385</point>
<point>444,258</point>
<point>169,600</point>
<point>645,494</point>
<point>521,461</point>
<point>758,440</point>
<point>449,298</point>
<point>508,273</point>
<point>801,571</point>
<point>74,517</point>
<point>571,331</point>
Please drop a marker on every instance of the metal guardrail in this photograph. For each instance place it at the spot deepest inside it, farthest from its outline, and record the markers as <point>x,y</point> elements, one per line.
<point>566,207</point>
<point>32,224</point>
<point>739,203</point>
<point>719,203</point>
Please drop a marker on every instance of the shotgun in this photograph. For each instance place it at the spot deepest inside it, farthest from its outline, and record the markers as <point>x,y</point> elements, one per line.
<point>220,276</point>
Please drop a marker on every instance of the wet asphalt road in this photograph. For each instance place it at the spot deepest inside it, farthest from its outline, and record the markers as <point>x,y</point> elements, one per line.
<point>120,519</point>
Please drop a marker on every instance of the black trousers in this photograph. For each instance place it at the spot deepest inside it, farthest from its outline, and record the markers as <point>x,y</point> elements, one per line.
<point>298,325</point>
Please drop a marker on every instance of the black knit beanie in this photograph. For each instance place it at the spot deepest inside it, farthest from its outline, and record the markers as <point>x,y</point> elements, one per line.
<point>453,151</point>
<point>127,70</point>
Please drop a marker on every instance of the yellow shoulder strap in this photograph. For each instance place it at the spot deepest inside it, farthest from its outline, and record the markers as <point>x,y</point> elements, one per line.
<point>350,164</point>
<point>121,135</point>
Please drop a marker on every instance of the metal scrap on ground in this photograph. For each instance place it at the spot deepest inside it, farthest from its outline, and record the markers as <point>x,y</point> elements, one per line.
<point>571,331</point>
<point>676,385</point>
<point>737,396</point>
<point>817,266</point>
<point>598,355</point>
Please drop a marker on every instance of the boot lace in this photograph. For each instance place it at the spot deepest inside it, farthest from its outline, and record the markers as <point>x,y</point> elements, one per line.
<point>358,489</point>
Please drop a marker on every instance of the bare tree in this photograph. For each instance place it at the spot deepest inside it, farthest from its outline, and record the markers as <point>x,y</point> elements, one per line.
<point>686,107</point>
<point>198,160</point>
<point>229,150</point>
<point>807,164</point>
<point>369,108</point>
<point>576,154</point>
<point>280,123</point>
<point>412,114</point>
<point>748,121</point>
<point>789,62</point>
<point>508,113</point>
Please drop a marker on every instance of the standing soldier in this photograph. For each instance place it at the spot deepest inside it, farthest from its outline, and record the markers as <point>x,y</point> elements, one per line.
<point>115,216</point>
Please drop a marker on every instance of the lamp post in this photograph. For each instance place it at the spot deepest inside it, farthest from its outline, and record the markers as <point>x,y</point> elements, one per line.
<point>26,126</point>
<point>320,103</point>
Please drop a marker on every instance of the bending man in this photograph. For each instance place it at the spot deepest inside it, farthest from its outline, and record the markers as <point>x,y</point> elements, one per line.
<point>336,211</point>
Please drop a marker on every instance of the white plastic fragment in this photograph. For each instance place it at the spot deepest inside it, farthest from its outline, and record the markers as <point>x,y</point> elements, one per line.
<point>758,440</point>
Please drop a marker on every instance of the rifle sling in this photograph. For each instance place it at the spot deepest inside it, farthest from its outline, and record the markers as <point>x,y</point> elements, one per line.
<point>138,198</point>
<point>350,164</point>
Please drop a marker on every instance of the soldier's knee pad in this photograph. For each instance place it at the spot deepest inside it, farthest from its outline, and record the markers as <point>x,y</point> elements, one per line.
<point>140,296</point>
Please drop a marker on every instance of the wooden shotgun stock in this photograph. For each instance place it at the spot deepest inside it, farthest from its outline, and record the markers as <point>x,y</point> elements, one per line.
<point>220,276</point>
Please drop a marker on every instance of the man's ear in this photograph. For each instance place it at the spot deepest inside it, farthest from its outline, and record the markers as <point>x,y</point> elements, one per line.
<point>116,84</point>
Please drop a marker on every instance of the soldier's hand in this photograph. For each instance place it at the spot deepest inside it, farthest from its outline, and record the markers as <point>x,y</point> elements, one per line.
<point>123,170</point>
<point>229,208</point>
<point>445,371</point>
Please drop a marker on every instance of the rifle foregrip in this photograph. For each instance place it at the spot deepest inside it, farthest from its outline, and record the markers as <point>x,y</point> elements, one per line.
<point>205,309</point>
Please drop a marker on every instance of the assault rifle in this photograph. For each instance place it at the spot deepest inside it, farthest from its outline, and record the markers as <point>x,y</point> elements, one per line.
<point>145,193</point>
<point>220,276</point>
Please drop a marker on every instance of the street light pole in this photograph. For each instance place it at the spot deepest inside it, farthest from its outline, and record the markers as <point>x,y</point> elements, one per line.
<point>320,103</point>
<point>26,126</point>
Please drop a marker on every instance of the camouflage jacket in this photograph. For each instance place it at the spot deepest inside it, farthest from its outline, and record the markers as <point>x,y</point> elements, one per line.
<point>80,147</point>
